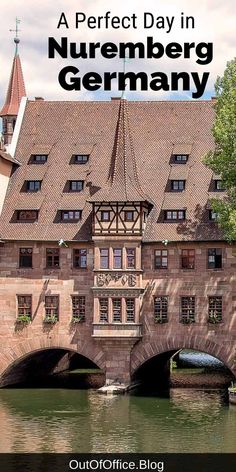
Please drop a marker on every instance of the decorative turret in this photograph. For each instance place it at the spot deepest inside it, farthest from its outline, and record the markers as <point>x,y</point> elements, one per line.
<point>121,206</point>
<point>15,92</point>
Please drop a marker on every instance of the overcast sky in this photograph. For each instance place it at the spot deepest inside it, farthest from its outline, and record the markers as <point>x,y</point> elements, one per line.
<point>215,22</point>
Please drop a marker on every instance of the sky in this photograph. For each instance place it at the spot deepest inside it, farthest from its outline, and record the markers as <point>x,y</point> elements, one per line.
<point>215,22</point>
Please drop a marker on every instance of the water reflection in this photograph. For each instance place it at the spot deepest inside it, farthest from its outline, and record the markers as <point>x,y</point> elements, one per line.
<point>56,420</point>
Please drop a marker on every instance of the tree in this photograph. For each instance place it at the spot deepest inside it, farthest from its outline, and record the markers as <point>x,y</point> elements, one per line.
<point>223,159</point>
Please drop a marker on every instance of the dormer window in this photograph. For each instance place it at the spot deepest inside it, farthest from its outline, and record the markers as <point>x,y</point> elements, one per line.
<point>76,185</point>
<point>174,215</point>
<point>39,158</point>
<point>105,215</point>
<point>177,185</point>
<point>180,158</point>
<point>33,185</point>
<point>81,158</point>
<point>27,215</point>
<point>213,215</point>
<point>71,215</point>
<point>218,185</point>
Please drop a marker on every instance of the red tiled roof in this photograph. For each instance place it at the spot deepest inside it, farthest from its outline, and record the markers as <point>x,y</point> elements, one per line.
<point>16,89</point>
<point>8,157</point>
<point>123,183</point>
<point>63,127</point>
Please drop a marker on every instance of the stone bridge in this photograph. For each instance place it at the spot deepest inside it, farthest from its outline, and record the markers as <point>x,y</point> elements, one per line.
<point>31,352</point>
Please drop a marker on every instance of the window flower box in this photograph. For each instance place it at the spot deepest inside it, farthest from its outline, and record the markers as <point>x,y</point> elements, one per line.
<point>51,319</point>
<point>23,319</point>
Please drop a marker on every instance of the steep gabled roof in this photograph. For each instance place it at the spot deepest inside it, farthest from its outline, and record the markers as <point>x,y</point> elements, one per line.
<point>123,183</point>
<point>16,89</point>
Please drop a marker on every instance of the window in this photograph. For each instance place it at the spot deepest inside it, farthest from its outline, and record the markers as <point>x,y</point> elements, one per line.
<point>116,305</point>
<point>161,259</point>
<point>181,158</point>
<point>213,215</point>
<point>26,257</point>
<point>53,258</point>
<point>103,310</point>
<point>39,158</point>
<point>130,258</point>
<point>81,158</point>
<point>214,258</point>
<point>24,305</point>
<point>187,314</point>
<point>117,258</point>
<point>71,215</point>
<point>27,215</point>
<point>105,216</point>
<point>80,258</point>
<point>130,310</point>
<point>129,215</point>
<point>76,185</point>
<point>215,310</point>
<point>78,307</point>
<point>52,306</point>
<point>174,215</point>
<point>188,258</point>
<point>33,185</point>
<point>177,185</point>
<point>161,309</point>
<point>104,258</point>
<point>218,185</point>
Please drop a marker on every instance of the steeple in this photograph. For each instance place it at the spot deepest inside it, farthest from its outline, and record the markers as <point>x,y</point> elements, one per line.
<point>15,92</point>
<point>123,184</point>
<point>121,207</point>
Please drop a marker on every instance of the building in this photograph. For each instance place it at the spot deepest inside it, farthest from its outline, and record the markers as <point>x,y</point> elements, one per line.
<point>109,246</point>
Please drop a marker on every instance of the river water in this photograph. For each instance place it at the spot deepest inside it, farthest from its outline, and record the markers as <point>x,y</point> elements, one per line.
<point>68,420</point>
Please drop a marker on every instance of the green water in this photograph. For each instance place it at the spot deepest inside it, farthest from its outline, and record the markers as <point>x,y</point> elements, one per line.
<point>60,420</point>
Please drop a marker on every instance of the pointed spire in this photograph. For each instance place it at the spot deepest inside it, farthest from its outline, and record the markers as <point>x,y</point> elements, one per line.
<point>123,183</point>
<point>16,87</point>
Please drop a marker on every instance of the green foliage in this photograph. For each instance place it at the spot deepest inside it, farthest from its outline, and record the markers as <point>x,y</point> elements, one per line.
<point>23,319</point>
<point>50,319</point>
<point>223,160</point>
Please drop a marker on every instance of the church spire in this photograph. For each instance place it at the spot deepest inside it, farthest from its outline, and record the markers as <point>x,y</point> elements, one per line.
<point>15,92</point>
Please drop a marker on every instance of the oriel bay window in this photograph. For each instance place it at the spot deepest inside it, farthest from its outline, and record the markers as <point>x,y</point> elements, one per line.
<point>103,307</point>
<point>25,257</point>
<point>187,310</point>
<point>161,309</point>
<point>161,259</point>
<point>80,258</point>
<point>214,258</point>
<point>117,258</point>
<point>104,258</point>
<point>53,258</point>
<point>117,310</point>
<point>130,258</point>
<point>215,309</point>
<point>187,259</point>
<point>78,308</point>
<point>130,310</point>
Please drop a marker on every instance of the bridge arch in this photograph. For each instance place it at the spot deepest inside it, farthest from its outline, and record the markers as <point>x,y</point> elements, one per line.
<point>147,350</point>
<point>25,350</point>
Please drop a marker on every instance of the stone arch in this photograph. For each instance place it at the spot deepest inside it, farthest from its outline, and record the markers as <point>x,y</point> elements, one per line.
<point>17,352</point>
<point>148,349</point>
